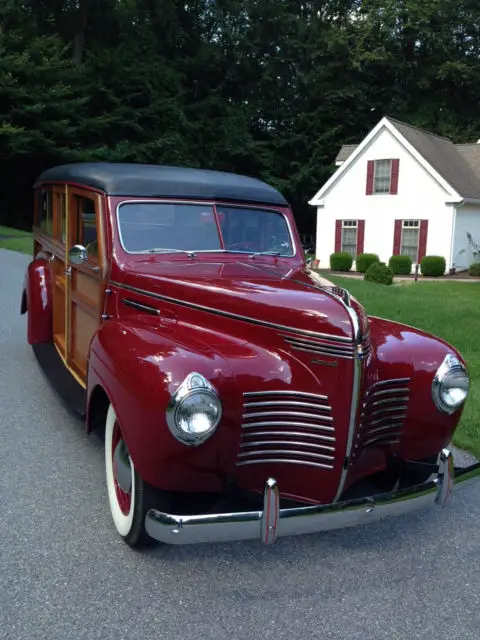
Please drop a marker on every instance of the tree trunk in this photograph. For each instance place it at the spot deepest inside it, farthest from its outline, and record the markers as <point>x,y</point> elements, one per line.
<point>79,39</point>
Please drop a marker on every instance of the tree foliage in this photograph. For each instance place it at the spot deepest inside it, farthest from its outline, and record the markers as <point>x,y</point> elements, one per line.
<point>270,88</point>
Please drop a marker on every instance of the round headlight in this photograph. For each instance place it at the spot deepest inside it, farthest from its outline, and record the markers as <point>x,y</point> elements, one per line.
<point>450,385</point>
<point>194,411</point>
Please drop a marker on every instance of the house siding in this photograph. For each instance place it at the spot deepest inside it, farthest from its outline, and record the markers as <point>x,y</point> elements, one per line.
<point>419,197</point>
<point>467,220</point>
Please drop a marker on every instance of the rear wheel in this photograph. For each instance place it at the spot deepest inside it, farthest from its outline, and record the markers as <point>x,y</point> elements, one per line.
<point>129,496</point>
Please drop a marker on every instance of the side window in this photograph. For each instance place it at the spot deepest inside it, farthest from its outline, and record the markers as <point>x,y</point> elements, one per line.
<point>45,217</point>
<point>60,217</point>
<point>87,226</point>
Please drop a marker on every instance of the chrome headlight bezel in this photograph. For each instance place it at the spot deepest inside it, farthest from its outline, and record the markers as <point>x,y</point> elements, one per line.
<point>451,368</point>
<point>194,387</point>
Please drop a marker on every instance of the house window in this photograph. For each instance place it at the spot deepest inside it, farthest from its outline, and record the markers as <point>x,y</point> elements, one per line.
<point>410,239</point>
<point>382,176</point>
<point>349,237</point>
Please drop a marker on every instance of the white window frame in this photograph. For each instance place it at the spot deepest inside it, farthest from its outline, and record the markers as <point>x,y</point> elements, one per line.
<point>410,224</point>
<point>376,190</point>
<point>350,224</point>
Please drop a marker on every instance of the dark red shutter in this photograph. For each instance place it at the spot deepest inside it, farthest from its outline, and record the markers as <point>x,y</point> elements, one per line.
<point>394,177</point>
<point>360,236</point>
<point>370,172</point>
<point>422,240</point>
<point>338,235</point>
<point>397,237</point>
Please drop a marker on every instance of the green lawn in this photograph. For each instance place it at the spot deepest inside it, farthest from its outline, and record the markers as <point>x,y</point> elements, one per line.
<point>19,240</point>
<point>450,310</point>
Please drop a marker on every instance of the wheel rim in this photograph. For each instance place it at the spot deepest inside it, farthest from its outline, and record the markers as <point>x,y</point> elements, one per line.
<point>124,498</point>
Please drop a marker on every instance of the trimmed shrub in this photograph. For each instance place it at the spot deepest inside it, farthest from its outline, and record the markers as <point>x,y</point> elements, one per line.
<point>474,269</point>
<point>341,261</point>
<point>364,260</point>
<point>433,266</point>
<point>380,273</point>
<point>400,265</point>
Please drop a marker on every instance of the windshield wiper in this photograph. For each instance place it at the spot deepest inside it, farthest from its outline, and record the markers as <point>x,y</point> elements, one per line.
<point>265,253</point>
<point>191,254</point>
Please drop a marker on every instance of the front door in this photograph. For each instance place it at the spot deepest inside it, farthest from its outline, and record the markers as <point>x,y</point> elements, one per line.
<point>84,281</point>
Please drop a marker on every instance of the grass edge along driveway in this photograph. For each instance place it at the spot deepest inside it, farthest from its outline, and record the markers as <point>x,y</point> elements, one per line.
<point>16,240</point>
<point>449,310</point>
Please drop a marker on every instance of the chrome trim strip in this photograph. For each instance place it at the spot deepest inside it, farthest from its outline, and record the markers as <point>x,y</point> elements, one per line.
<point>307,463</point>
<point>389,418</point>
<point>226,314</point>
<point>293,434</point>
<point>355,400</point>
<point>293,414</point>
<point>247,525</point>
<point>286,452</point>
<point>286,392</point>
<point>140,307</point>
<point>389,401</point>
<point>394,381</point>
<point>385,392</point>
<point>293,443</point>
<point>287,404</point>
<point>302,342</point>
<point>322,351</point>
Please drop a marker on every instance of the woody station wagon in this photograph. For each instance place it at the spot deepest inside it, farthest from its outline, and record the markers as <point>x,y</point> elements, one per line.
<point>240,394</point>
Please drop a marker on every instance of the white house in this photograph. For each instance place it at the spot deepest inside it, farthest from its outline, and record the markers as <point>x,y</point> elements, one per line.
<point>403,191</point>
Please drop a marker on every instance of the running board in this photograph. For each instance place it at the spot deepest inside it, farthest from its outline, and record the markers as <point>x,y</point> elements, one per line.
<point>60,379</point>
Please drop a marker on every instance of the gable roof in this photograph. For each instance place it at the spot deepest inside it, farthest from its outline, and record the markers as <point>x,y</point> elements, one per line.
<point>457,164</point>
<point>444,156</point>
<point>126,179</point>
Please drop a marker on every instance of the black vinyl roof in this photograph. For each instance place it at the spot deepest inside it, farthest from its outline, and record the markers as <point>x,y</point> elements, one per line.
<point>148,180</point>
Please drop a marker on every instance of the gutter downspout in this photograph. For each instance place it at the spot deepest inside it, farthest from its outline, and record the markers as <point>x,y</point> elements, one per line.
<point>454,221</point>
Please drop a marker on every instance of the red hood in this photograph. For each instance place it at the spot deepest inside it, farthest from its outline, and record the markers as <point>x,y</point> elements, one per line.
<point>263,293</point>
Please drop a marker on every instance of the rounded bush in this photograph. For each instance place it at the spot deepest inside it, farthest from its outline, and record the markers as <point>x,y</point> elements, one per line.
<point>364,260</point>
<point>380,273</point>
<point>474,269</point>
<point>400,265</point>
<point>433,266</point>
<point>341,261</point>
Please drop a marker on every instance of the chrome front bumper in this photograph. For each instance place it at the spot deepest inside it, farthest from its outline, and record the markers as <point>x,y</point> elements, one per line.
<point>272,521</point>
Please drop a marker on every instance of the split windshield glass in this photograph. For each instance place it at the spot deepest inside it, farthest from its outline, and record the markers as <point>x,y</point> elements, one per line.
<point>155,226</point>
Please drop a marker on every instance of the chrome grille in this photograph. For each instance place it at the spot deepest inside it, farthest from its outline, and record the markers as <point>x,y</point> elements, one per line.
<point>383,413</point>
<point>288,427</point>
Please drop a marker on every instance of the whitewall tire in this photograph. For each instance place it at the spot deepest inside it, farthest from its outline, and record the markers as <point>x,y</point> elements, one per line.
<point>129,496</point>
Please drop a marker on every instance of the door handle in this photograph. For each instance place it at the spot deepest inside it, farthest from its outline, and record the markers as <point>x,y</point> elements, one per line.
<point>68,272</point>
<point>96,269</point>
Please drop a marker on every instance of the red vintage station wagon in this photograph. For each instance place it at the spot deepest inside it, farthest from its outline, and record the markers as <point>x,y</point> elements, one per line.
<point>240,394</point>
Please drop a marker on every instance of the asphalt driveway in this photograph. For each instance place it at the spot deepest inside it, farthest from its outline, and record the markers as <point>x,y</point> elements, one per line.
<point>64,573</point>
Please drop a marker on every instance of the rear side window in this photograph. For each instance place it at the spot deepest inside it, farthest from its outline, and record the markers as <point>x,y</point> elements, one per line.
<point>44,209</point>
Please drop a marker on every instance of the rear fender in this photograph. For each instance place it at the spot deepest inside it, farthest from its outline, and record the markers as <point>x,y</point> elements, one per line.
<point>37,300</point>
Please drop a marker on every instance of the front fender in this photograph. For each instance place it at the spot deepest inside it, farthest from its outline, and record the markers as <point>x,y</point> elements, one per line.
<point>402,351</point>
<point>139,367</point>
<point>37,299</point>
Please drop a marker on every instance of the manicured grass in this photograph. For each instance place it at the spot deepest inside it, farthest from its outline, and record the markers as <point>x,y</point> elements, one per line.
<point>450,310</point>
<point>19,240</point>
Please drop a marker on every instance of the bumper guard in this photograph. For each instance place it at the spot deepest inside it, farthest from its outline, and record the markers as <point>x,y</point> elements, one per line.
<point>273,522</point>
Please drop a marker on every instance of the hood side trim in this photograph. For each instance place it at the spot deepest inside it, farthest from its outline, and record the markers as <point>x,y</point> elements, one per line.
<point>227,314</point>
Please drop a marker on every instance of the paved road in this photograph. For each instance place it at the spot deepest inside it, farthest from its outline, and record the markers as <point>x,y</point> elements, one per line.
<point>64,574</point>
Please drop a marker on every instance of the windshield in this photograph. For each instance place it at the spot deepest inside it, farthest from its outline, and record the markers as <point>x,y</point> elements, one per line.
<point>160,226</point>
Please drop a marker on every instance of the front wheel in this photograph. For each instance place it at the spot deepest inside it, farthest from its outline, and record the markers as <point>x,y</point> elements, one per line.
<point>129,496</point>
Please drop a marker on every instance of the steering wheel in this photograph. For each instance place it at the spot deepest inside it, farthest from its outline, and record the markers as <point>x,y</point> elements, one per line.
<point>249,246</point>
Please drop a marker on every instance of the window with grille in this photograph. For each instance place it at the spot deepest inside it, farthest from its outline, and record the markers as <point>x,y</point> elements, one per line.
<point>382,176</point>
<point>410,238</point>
<point>349,237</point>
